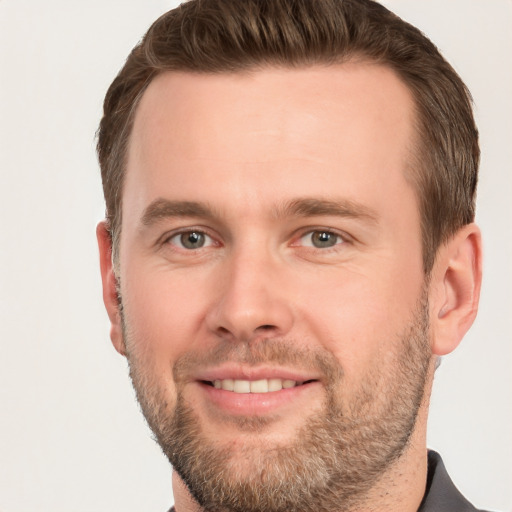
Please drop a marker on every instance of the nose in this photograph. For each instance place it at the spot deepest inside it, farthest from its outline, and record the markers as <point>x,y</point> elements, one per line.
<point>252,301</point>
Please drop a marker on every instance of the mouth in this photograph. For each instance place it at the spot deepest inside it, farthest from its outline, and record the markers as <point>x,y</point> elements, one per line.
<point>262,392</point>
<point>255,386</point>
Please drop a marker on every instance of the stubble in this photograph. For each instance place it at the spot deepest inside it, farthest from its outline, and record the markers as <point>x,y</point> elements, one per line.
<point>332,461</point>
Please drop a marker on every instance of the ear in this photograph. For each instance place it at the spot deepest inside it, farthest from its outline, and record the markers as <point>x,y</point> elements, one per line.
<point>455,289</point>
<point>109,281</point>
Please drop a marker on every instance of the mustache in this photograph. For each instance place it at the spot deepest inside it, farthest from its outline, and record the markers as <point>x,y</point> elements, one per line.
<point>272,352</point>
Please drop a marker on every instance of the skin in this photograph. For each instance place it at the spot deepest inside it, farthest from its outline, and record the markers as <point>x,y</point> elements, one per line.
<point>246,145</point>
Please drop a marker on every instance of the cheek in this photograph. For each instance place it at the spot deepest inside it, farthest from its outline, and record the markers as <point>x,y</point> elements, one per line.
<point>162,314</point>
<point>359,318</point>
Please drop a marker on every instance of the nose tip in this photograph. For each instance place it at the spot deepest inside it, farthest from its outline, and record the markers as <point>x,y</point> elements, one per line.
<point>251,305</point>
<point>249,325</point>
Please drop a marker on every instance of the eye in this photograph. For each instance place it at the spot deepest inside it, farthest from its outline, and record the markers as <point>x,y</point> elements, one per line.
<point>321,239</point>
<point>191,240</point>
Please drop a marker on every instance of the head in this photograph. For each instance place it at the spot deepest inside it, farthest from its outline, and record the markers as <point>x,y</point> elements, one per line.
<point>224,36</point>
<point>288,244</point>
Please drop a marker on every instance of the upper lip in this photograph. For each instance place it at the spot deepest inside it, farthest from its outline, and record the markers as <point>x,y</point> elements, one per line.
<point>251,373</point>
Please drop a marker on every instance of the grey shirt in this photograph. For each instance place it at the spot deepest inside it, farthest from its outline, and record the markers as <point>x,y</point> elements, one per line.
<point>441,495</point>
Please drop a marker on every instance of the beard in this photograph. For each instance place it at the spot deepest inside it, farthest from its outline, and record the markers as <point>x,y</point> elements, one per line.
<point>332,461</point>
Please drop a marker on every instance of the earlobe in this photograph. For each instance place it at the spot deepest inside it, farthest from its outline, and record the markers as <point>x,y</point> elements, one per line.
<point>110,297</point>
<point>456,281</point>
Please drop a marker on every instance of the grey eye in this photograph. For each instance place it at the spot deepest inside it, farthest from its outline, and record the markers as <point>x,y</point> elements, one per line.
<point>320,239</point>
<point>192,240</point>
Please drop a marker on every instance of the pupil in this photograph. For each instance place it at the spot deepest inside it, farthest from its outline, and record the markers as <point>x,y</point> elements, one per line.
<point>192,240</point>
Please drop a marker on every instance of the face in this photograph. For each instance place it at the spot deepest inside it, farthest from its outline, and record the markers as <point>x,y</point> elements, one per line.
<point>270,273</point>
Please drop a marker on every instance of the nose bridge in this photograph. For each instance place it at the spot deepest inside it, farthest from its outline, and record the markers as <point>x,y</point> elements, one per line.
<point>252,297</point>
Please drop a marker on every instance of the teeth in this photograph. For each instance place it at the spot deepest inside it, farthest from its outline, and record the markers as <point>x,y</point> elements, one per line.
<point>242,386</point>
<point>275,384</point>
<point>254,386</point>
<point>288,384</point>
<point>259,386</point>
<point>227,384</point>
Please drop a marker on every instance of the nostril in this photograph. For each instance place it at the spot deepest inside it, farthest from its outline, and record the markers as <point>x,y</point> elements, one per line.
<point>242,331</point>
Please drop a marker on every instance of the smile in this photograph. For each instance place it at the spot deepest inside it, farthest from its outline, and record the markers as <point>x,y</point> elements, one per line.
<point>255,386</point>
<point>256,392</point>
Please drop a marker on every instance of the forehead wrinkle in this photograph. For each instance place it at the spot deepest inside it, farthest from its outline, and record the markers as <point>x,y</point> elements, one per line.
<point>311,207</point>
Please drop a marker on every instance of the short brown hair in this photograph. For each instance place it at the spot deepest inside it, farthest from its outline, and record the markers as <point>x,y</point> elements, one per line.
<point>213,36</point>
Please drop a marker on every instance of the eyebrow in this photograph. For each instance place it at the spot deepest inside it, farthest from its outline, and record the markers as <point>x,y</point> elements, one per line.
<point>313,207</point>
<point>303,207</point>
<point>165,208</point>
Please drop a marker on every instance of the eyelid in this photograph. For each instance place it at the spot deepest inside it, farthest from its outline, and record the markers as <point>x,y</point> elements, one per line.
<point>169,235</point>
<point>345,238</point>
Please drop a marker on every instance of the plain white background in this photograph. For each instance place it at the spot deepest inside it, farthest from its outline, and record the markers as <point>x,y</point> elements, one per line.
<point>71,435</point>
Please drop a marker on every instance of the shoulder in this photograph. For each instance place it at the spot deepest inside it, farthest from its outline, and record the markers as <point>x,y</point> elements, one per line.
<point>441,495</point>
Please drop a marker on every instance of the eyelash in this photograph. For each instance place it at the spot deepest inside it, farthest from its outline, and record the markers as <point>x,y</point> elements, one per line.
<point>179,234</point>
<point>340,239</point>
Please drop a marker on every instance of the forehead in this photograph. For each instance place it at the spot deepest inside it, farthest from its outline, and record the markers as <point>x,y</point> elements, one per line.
<point>249,135</point>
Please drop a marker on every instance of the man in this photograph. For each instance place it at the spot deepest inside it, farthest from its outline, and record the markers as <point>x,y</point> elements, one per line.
<point>288,250</point>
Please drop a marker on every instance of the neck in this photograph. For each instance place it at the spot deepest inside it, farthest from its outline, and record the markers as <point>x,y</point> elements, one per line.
<point>402,487</point>
<point>183,501</point>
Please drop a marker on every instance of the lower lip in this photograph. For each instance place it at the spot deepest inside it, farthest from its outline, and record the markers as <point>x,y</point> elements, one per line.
<point>257,404</point>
